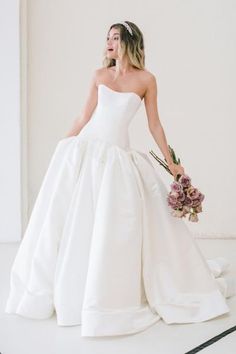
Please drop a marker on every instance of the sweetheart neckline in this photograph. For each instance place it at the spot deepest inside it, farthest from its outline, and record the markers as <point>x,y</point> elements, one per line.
<point>134,93</point>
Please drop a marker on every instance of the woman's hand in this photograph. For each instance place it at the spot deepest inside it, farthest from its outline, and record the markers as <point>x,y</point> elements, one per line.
<point>176,169</point>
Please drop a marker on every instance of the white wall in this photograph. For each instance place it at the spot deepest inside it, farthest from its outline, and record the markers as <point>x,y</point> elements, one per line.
<point>190,47</point>
<point>10,148</point>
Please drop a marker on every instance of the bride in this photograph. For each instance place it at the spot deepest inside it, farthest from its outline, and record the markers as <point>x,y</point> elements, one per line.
<point>129,75</point>
<point>101,248</point>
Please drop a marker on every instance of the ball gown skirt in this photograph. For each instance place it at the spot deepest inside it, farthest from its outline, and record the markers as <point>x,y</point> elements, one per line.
<point>101,248</point>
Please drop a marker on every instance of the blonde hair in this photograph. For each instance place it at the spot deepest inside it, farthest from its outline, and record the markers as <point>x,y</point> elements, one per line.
<point>130,45</point>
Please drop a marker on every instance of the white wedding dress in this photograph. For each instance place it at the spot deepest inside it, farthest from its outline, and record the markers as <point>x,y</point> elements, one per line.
<point>101,248</point>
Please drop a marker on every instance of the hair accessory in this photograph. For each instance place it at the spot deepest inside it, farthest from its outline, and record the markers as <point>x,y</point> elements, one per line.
<point>127,27</point>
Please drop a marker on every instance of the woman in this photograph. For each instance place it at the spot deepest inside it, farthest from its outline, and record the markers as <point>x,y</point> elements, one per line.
<point>129,74</point>
<point>101,248</point>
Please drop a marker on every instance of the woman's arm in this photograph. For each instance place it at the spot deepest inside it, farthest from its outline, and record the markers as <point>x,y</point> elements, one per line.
<point>155,126</point>
<point>88,109</point>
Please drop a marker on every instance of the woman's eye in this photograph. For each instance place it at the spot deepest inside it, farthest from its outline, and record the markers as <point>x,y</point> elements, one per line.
<point>113,38</point>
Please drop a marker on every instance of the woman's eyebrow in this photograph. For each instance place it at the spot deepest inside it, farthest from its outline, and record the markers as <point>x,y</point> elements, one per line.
<point>114,34</point>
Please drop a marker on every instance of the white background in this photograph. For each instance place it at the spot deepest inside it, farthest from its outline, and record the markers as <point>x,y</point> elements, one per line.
<point>10,124</point>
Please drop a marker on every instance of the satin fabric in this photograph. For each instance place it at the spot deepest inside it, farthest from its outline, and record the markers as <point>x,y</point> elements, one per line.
<point>101,248</point>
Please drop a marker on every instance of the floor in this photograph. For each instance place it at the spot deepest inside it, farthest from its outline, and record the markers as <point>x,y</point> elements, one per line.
<point>23,336</point>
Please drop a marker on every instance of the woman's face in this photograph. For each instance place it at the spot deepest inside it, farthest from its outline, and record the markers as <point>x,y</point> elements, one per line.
<point>113,39</point>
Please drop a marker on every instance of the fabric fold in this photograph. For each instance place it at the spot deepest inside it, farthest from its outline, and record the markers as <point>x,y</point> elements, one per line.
<point>102,250</point>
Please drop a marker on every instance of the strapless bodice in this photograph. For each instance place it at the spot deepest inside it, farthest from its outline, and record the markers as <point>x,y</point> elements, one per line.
<point>112,116</point>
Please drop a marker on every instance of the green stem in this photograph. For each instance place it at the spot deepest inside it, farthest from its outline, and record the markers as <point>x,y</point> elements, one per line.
<point>161,162</point>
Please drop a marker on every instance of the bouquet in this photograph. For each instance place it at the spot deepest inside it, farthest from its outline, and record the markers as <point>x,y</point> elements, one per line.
<point>183,198</point>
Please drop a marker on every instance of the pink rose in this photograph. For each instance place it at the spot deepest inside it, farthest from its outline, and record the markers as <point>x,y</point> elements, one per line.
<point>175,186</point>
<point>185,180</point>
<point>188,201</point>
<point>192,192</point>
<point>198,209</point>
<point>202,196</point>
<point>173,202</point>
<point>181,197</point>
<point>196,202</point>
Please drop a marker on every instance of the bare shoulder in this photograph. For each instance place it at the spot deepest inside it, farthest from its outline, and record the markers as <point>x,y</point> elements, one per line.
<point>149,78</point>
<point>99,74</point>
<point>150,83</point>
<point>101,70</point>
<point>146,81</point>
<point>146,73</point>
